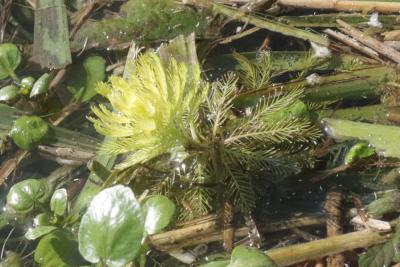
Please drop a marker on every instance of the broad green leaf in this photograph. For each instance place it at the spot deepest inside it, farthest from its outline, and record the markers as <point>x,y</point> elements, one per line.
<point>216,264</point>
<point>358,151</point>
<point>26,85</point>
<point>85,76</point>
<point>26,195</point>
<point>246,256</point>
<point>158,211</point>
<point>58,202</point>
<point>9,93</point>
<point>42,219</point>
<point>56,249</point>
<point>112,229</point>
<point>10,57</point>
<point>383,254</point>
<point>12,259</point>
<point>28,131</point>
<point>38,231</point>
<point>41,85</point>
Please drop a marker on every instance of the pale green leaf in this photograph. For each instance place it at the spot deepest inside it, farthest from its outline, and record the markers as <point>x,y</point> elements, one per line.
<point>158,211</point>
<point>38,231</point>
<point>58,202</point>
<point>112,229</point>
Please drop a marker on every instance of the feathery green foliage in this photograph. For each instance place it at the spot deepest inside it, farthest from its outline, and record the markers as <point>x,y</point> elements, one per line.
<point>196,140</point>
<point>155,110</point>
<point>255,75</point>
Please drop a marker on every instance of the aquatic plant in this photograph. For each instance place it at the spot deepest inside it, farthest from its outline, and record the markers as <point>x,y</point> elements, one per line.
<point>189,134</point>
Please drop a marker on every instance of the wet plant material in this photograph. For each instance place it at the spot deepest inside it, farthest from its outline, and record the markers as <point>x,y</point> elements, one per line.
<point>175,121</point>
<point>265,135</point>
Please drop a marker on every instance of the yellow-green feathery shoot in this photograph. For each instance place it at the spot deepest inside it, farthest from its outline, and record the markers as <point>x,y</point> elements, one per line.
<point>153,111</point>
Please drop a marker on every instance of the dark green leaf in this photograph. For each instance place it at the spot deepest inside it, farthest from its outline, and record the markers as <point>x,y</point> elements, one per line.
<point>58,202</point>
<point>158,212</point>
<point>55,249</point>
<point>112,229</point>
<point>383,254</point>
<point>10,57</point>
<point>28,131</point>
<point>25,195</point>
<point>41,86</point>
<point>246,256</point>
<point>38,231</point>
<point>358,151</point>
<point>9,93</point>
<point>85,77</point>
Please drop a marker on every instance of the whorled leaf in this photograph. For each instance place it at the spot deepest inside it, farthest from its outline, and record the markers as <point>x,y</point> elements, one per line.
<point>158,211</point>
<point>10,57</point>
<point>28,131</point>
<point>26,195</point>
<point>155,117</point>
<point>112,229</point>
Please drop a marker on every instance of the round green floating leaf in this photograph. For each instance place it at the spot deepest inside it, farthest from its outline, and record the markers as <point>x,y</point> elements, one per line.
<point>29,131</point>
<point>158,212</point>
<point>41,86</point>
<point>34,233</point>
<point>10,57</point>
<point>246,256</point>
<point>56,249</point>
<point>58,202</point>
<point>9,93</point>
<point>112,229</point>
<point>25,195</point>
<point>26,85</point>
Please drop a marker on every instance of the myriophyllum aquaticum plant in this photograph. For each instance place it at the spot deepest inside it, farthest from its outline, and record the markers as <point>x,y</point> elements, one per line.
<point>193,141</point>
